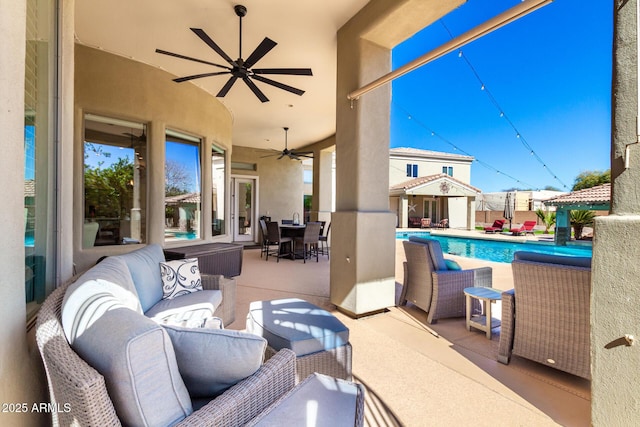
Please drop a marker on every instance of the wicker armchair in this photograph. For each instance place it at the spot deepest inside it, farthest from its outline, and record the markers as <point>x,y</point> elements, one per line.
<point>545,318</point>
<point>72,381</point>
<point>431,286</point>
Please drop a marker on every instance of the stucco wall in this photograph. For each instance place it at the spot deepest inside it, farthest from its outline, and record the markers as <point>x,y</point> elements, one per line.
<point>114,86</point>
<point>281,187</point>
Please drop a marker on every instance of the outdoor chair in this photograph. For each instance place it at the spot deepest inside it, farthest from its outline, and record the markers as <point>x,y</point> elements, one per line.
<point>82,391</point>
<point>545,318</point>
<point>526,228</point>
<point>444,223</point>
<point>435,284</point>
<point>324,242</point>
<point>309,240</point>
<point>275,238</point>
<point>497,226</point>
<point>265,237</point>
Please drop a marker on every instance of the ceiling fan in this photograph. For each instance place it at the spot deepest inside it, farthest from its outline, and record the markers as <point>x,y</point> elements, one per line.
<point>292,154</point>
<point>241,68</point>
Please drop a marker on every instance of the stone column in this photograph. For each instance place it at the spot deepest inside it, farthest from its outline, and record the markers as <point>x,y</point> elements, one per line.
<point>615,293</point>
<point>563,226</point>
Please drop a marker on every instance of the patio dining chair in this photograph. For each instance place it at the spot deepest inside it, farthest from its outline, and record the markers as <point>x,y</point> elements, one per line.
<point>275,238</point>
<point>265,237</point>
<point>324,242</point>
<point>309,240</point>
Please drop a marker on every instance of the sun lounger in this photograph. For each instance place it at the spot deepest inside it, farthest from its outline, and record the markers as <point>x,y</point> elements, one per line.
<point>497,226</point>
<point>526,228</point>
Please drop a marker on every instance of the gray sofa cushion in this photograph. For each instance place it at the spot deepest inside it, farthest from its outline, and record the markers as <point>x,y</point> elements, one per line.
<point>105,287</point>
<point>552,259</point>
<point>144,265</point>
<point>193,308</point>
<point>137,360</point>
<point>296,324</point>
<point>212,360</point>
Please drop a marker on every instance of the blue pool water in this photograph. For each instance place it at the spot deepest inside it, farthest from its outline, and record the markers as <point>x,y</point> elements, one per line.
<point>494,250</point>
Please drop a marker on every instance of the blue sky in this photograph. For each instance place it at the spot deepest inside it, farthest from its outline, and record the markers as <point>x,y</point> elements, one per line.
<point>549,73</point>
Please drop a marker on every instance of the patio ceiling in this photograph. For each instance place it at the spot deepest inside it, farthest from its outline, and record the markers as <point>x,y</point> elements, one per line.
<point>305,31</point>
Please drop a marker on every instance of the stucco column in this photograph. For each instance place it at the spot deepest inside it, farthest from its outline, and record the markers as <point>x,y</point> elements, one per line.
<point>404,211</point>
<point>615,293</point>
<point>363,249</point>
<point>322,197</point>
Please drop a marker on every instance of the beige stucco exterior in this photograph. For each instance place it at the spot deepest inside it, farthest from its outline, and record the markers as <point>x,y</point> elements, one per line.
<point>615,289</point>
<point>118,87</point>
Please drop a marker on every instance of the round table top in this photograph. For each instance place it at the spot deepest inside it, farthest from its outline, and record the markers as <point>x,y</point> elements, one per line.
<point>483,292</point>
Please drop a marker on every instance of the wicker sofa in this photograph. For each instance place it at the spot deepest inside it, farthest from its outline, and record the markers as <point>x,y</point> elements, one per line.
<point>435,284</point>
<point>108,363</point>
<point>545,318</point>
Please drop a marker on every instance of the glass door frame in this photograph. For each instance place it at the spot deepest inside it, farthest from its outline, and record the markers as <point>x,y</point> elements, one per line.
<point>253,218</point>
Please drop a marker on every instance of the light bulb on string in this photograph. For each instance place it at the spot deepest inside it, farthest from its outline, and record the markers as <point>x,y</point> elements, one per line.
<point>517,135</point>
<point>482,87</point>
<point>501,114</point>
<point>460,53</point>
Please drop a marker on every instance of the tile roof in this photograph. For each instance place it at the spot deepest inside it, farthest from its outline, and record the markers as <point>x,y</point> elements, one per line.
<point>416,182</point>
<point>599,195</point>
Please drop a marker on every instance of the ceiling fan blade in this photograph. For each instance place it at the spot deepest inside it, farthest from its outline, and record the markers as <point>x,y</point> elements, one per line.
<point>263,48</point>
<point>278,84</point>
<point>261,96</point>
<point>295,153</point>
<point>227,86</point>
<point>202,61</point>
<point>205,38</point>
<point>287,71</point>
<point>198,76</point>
<point>281,156</point>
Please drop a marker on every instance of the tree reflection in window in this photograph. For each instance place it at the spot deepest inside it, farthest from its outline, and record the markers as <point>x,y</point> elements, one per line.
<point>182,187</point>
<point>114,182</point>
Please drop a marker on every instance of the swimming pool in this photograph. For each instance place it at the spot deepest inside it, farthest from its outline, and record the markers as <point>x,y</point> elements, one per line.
<point>494,250</point>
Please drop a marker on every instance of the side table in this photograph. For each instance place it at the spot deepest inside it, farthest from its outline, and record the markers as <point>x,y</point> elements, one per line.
<point>486,296</point>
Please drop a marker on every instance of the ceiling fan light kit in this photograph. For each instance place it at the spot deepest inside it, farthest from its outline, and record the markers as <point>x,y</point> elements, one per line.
<point>241,68</point>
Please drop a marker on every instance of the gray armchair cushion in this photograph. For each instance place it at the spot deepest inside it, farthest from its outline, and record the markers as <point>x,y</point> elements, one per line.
<point>144,265</point>
<point>136,358</point>
<point>188,310</point>
<point>85,302</point>
<point>212,360</point>
<point>434,249</point>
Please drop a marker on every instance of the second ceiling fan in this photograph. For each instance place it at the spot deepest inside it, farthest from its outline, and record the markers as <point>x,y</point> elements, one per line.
<point>241,68</point>
<point>292,154</point>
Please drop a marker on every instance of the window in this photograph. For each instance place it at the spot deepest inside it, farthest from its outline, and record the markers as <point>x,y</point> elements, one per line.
<point>182,206</point>
<point>39,130</point>
<point>218,186</point>
<point>412,170</point>
<point>115,153</point>
<point>447,170</point>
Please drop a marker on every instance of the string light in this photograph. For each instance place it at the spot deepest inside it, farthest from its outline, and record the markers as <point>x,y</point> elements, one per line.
<point>502,113</point>
<point>455,147</point>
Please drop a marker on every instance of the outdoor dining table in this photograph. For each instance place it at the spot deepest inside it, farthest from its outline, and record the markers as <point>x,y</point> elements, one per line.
<point>291,230</point>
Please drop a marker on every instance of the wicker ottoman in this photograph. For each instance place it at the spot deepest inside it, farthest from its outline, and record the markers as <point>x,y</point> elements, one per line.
<point>319,339</point>
<point>320,401</point>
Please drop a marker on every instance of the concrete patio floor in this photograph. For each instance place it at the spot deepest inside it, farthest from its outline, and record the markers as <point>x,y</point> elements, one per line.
<point>426,375</point>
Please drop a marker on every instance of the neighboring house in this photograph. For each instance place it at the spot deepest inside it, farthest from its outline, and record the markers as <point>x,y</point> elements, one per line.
<point>431,184</point>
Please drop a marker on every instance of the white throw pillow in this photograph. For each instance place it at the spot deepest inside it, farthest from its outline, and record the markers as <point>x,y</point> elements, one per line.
<point>180,277</point>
